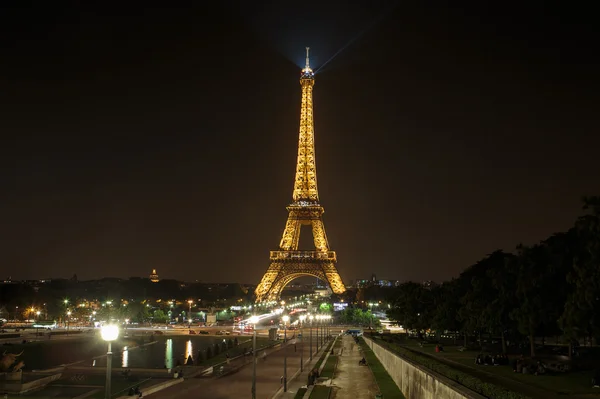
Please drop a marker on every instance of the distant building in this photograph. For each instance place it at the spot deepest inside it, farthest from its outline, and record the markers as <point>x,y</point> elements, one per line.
<point>154,276</point>
<point>373,282</point>
<point>324,293</point>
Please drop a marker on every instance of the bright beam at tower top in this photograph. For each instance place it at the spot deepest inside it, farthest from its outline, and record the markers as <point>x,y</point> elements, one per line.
<point>307,72</point>
<point>307,63</point>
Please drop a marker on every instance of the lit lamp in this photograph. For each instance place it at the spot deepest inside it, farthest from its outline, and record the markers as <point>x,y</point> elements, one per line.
<point>109,333</point>
<point>285,319</point>
<point>254,321</point>
<point>190,312</point>
<point>317,319</point>
<point>68,320</point>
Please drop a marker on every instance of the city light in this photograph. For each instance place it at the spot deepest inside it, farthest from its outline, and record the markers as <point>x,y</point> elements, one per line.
<point>109,332</point>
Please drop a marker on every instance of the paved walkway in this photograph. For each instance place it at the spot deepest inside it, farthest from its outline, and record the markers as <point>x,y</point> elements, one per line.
<point>237,382</point>
<point>350,380</point>
<point>300,378</point>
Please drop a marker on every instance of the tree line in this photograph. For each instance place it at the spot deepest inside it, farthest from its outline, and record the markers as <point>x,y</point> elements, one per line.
<point>548,289</point>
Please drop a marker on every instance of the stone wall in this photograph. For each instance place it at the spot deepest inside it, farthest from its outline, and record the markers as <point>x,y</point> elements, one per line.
<point>415,381</point>
<point>19,387</point>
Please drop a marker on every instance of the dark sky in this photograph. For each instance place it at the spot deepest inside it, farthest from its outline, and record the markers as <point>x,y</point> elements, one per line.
<point>166,138</point>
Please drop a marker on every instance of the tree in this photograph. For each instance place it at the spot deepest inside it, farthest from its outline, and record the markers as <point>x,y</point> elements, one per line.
<point>446,300</point>
<point>325,307</point>
<point>358,317</point>
<point>160,316</point>
<point>538,289</point>
<point>138,312</point>
<point>503,280</point>
<point>581,314</point>
<point>412,306</point>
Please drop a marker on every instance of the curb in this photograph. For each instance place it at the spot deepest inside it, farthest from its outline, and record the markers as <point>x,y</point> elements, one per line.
<point>157,387</point>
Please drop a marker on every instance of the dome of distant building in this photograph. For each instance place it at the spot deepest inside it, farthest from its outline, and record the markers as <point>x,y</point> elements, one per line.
<point>154,276</point>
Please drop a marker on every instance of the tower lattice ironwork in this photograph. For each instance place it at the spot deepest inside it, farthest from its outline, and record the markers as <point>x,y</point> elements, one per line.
<point>289,263</point>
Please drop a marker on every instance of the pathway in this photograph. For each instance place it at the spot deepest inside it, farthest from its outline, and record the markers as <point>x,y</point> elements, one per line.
<point>238,383</point>
<point>352,381</point>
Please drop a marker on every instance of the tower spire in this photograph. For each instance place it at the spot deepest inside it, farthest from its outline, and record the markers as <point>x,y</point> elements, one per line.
<point>305,184</point>
<point>307,63</point>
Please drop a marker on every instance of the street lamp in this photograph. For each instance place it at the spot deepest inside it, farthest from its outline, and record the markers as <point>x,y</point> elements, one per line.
<point>317,318</point>
<point>254,321</point>
<point>190,312</point>
<point>311,317</point>
<point>68,320</point>
<point>109,333</point>
<point>302,318</point>
<point>285,319</point>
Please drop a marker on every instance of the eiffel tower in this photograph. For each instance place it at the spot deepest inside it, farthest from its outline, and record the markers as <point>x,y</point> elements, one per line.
<point>288,263</point>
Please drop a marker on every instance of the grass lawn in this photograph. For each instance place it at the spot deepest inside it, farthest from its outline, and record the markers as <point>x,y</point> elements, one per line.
<point>572,384</point>
<point>338,343</point>
<point>387,386</point>
<point>320,392</point>
<point>322,358</point>
<point>329,366</point>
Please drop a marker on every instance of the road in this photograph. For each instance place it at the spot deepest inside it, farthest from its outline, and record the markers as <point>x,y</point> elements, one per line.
<point>238,383</point>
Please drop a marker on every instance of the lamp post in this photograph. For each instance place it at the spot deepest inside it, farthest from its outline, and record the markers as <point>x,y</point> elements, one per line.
<point>68,321</point>
<point>37,329</point>
<point>254,321</point>
<point>311,317</point>
<point>190,312</point>
<point>317,318</point>
<point>109,333</point>
<point>302,318</point>
<point>285,319</point>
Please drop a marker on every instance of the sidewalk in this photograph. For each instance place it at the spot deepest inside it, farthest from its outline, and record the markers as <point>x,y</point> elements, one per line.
<point>300,379</point>
<point>350,380</point>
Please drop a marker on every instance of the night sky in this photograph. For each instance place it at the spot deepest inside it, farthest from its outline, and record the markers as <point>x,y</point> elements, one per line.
<point>148,138</point>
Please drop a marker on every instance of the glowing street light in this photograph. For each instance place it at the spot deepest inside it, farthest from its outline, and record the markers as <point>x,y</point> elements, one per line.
<point>68,321</point>
<point>109,333</point>
<point>190,312</point>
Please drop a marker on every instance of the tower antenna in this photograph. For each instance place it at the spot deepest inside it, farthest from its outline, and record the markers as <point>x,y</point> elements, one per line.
<point>307,64</point>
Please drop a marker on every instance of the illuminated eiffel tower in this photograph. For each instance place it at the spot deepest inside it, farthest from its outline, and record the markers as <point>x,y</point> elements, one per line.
<point>288,263</point>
